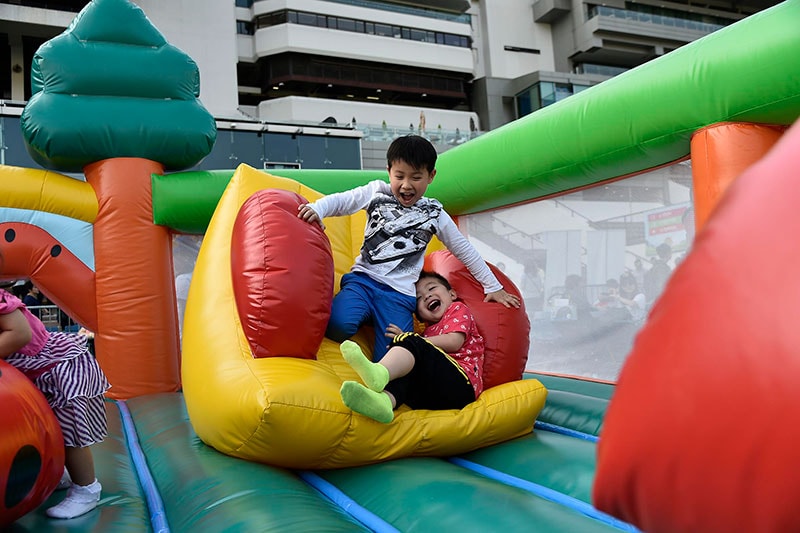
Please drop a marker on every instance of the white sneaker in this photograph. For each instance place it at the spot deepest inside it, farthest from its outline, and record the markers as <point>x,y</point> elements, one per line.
<point>65,482</point>
<point>80,500</point>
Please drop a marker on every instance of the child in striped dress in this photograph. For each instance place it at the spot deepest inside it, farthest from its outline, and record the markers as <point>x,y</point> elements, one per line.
<point>63,369</point>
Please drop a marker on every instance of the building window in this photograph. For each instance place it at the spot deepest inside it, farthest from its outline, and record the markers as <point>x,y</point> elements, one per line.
<point>244,28</point>
<point>361,26</point>
<point>244,3</point>
<point>543,94</point>
<point>603,70</point>
<point>313,69</point>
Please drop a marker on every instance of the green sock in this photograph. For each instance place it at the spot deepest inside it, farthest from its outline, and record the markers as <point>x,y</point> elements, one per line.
<point>374,375</point>
<point>376,405</point>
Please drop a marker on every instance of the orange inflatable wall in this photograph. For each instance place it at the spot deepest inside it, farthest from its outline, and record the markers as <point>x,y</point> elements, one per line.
<point>722,152</point>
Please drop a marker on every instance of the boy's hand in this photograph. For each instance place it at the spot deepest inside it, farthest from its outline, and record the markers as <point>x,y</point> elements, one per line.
<point>305,212</point>
<point>392,331</point>
<point>509,300</point>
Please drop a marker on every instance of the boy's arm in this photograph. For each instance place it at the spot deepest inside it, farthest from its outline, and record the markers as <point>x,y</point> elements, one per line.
<point>501,296</point>
<point>455,241</point>
<point>341,203</point>
<point>306,213</point>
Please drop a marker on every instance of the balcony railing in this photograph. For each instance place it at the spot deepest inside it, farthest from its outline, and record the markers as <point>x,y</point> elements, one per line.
<point>408,10</point>
<point>380,132</point>
<point>650,18</point>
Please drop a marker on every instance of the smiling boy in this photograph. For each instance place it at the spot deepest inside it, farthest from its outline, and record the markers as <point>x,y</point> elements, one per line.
<point>379,289</point>
<point>442,369</point>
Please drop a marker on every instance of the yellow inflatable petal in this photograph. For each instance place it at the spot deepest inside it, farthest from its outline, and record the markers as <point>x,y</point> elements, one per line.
<point>288,412</point>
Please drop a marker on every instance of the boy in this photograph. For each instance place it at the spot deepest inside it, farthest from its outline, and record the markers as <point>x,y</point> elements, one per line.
<point>443,369</point>
<point>401,222</point>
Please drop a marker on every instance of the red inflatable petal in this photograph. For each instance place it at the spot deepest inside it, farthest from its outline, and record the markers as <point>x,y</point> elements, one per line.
<point>282,271</point>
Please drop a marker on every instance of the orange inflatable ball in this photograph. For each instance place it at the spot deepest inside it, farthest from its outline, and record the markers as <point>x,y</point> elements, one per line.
<point>31,446</point>
<point>701,433</point>
<point>282,269</point>
<point>505,331</point>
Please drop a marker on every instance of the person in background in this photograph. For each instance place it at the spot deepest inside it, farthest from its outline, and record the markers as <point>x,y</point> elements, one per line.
<point>442,369</point>
<point>533,286</point>
<point>182,283</point>
<point>18,288</point>
<point>638,272</point>
<point>575,291</point>
<point>631,296</point>
<point>610,296</point>
<point>659,273</point>
<point>33,298</point>
<point>401,222</point>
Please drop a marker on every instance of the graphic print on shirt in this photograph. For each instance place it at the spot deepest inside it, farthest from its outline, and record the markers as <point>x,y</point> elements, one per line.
<point>397,234</point>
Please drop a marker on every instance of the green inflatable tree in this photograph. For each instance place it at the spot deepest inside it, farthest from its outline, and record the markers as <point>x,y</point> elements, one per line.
<point>114,99</point>
<point>111,86</point>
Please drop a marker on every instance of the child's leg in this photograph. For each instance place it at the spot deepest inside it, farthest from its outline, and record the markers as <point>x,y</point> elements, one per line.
<point>80,465</point>
<point>374,375</point>
<point>350,308</point>
<point>376,405</point>
<point>76,398</point>
<point>435,381</point>
<point>391,307</point>
<point>396,363</point>
<point>82,496</point>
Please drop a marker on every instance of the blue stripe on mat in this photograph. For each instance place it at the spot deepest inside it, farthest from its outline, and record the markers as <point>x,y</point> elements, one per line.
<point>347,504</point>
<point>155,505</point>
<point>545,426</point>
<point>545,493</point>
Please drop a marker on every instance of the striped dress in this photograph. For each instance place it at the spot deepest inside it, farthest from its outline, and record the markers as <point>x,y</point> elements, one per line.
<point>63,368</point>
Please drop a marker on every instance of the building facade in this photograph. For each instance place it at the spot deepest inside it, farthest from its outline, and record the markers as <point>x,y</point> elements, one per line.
<point>358,73</point>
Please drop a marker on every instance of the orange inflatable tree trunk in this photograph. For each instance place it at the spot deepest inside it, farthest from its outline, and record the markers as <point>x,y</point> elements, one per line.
<point>136,304</point>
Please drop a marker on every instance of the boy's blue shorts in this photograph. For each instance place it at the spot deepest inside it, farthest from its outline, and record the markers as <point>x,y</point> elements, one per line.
<point>362,300</point>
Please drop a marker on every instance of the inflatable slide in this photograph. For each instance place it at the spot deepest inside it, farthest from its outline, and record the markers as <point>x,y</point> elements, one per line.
<point>235,426</point>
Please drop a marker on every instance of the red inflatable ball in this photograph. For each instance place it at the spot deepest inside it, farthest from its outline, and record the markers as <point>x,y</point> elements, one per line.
<point>701,434</point>
<point>282,270</point>
<point>505,331</point>
<point>31,446</point>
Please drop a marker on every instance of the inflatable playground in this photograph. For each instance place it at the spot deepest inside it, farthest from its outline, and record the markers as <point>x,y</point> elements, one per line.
<point>236,424</point>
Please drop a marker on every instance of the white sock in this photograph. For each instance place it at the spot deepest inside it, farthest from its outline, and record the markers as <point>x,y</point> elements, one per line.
<point>80,500</point>
<point>65,482</point>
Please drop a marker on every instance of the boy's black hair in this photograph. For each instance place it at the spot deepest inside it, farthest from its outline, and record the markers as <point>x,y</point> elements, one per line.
<point>415,150</point>
<point>435,275</point>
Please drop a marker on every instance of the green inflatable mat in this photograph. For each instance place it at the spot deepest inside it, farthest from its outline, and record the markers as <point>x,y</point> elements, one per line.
<point>122,507</point>
<point>203,490</point>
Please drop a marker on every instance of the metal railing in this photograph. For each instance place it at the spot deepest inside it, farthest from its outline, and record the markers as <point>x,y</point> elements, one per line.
<point>53,318</point>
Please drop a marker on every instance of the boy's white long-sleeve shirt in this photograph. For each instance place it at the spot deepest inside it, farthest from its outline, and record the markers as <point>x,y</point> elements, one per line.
<point>395,237</point>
